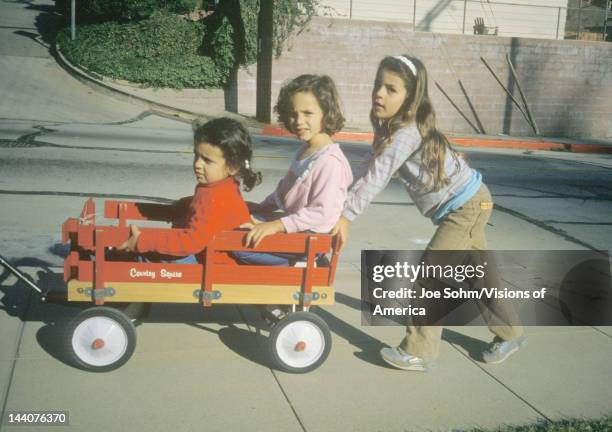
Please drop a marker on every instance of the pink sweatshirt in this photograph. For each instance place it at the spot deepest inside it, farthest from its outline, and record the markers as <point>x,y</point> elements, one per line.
<point>313,191</point>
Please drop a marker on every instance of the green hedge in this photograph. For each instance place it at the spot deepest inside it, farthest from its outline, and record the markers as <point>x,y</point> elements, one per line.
<point>231,32</point>
<point>159,48</point>
<point>92,11</point>
<point>163,51</point>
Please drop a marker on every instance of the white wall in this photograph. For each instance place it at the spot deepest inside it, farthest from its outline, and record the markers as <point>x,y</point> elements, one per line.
<point>516,18</point>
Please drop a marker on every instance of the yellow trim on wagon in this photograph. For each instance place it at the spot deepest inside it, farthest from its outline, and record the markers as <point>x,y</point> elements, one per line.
<point>184,293</point>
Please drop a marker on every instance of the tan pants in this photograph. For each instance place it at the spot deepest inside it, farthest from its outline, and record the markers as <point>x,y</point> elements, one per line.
<point>464,229</point>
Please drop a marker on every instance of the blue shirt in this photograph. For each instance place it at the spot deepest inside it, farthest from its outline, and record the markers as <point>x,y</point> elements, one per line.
<point>464,195</point>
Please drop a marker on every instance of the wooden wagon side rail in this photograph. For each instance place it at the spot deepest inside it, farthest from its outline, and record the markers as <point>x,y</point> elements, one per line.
<point>168,274</point>
<point>95,278</point>
<point>125,210</point>
<point>306,244</point>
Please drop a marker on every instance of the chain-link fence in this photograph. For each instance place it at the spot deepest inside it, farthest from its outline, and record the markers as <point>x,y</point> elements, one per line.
<point>549,19</point>
<point>589,20</point>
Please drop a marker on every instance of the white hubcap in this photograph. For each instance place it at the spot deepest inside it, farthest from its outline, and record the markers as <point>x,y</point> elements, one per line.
<point>300,344</point>
<point>99,341</point>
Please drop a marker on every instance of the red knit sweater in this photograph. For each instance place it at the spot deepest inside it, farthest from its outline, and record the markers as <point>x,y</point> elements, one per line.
<point>215,207</point>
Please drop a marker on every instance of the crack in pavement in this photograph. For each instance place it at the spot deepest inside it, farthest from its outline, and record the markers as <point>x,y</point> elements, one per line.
<point>88,195</point>
<point>554,197</point>
<point>546,194</point>
<point>540,224</point>
<point>500,382</point>
<point>31,140</point>
<point>143,115</point>
<point>527,188</point>
<point>576,222</point>
<point>28,141</point>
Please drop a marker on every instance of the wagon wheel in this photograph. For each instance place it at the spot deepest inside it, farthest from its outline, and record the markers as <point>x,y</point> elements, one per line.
<point>100,339</point>
<point>300,342</point>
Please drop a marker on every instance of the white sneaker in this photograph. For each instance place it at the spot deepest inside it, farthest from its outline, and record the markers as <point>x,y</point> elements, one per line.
<point>499,350</point>
<point>398,358</point>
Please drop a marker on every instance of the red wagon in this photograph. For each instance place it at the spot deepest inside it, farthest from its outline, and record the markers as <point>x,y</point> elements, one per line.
<point>103,337</point>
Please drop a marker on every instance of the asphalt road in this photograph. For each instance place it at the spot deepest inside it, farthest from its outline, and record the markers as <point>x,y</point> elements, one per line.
<point>149,158</point>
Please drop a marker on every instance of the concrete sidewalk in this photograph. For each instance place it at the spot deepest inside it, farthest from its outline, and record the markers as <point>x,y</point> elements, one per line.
<point>192,103</point>
<point>196,369</point>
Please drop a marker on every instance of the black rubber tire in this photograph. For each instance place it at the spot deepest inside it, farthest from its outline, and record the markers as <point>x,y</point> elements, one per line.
<point>137,312</point>
<point>115,315</point>
<point>293,319</point>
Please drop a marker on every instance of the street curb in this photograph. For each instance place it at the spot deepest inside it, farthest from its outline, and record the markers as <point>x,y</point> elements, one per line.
<point>508,143</point>
<point>97,82</point>
<point>532,145</point>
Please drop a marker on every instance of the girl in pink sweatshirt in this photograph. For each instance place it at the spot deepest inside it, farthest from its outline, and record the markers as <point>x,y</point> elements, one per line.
<point>313,191</point>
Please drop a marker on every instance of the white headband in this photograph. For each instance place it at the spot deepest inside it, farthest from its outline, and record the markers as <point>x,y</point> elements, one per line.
<point>408,63</point>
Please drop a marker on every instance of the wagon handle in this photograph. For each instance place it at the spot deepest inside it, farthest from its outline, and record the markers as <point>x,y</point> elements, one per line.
<point>22,277</point>
<point>334,260</point>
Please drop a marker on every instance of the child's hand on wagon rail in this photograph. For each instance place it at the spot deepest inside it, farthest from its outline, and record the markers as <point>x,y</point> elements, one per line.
<point>130,244</point>
<point>259,230</point>
<point>341,229</point>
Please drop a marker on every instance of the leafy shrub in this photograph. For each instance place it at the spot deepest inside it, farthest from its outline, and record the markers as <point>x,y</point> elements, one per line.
<point>231,32</point>
<point>232,29</point>
<point>162,51</point>
<point>293,17</point>
<point>91,11</point>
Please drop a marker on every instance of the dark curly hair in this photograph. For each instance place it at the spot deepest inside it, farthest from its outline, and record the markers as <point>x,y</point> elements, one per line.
<point>234,141</point>
<point>324,89</point>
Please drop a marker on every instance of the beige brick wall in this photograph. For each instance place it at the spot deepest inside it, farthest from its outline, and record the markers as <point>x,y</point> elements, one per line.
<point>567,83</point>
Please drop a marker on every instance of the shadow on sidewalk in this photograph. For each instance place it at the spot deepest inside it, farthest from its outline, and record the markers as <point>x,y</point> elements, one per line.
<point>20,301</point>
<point>18,298</point>
<point>248,345</point>
<point>474,347</point>
<point>48,23</point>
<point>371,346</point>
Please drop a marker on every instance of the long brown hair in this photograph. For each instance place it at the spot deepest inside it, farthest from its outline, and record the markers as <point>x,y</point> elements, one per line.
<point>417,109</point>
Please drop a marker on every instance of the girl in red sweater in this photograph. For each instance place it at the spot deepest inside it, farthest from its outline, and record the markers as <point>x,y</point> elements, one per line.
<point>222,155</point>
